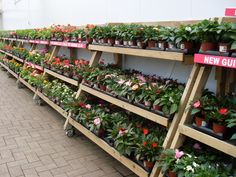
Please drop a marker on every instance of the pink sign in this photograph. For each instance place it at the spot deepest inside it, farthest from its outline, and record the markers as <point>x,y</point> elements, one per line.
<point>230,12</point>
<point>43,42</point>
<point>228,62</point>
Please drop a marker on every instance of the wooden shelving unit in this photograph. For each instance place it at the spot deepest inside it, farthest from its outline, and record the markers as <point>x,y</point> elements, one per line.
<point>110,150</point>
<point>132,108</point>
<point>177,128</point>
<point>64,78</point>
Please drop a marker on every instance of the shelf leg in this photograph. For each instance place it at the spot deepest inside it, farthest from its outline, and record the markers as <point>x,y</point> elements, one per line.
<point>197,89</point>
<point>174,125</point>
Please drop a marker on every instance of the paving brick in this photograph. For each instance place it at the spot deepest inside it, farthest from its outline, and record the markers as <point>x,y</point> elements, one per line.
<point>15,171</point>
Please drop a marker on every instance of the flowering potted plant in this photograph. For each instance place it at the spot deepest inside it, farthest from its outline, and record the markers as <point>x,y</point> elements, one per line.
<point>168,160</point>
<point>149,148</point>
<point>151,36</point>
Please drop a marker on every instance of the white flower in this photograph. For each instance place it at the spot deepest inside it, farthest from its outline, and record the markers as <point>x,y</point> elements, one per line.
<point>88,106</point>
<point>190,168</point>
<point>189,155</point>
<point>195,164</point>
<point>128,83</point>
<point>188,28</point>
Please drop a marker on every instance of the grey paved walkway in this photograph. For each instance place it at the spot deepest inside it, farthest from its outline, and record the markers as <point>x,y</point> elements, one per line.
<point>33,143</point>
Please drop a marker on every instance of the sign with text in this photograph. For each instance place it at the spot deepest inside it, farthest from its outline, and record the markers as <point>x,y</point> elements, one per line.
<point>223,61</point>
<point>230,12</point>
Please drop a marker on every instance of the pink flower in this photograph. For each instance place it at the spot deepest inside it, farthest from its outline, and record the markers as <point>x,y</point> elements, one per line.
<point>123,131</point>
<point>197,146</point>
<point>141,78</point>
<point>97,121</point>
<point>178,154</point>
<point>88,106</point>
<point>197,104</point>
<point>121,81</point>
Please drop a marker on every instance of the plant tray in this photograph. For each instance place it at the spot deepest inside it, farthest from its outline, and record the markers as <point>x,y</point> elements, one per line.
<point>162,114</point>
<point>156,48</point>
<point>210,132</point>
<point>88,85</point>
<point>140,163</point>
<point>185,51</point>
<point>210,52</point>
<point>124,99</point>
<point>109,141</point>
<point>104,44</point>
<point>141,106</point>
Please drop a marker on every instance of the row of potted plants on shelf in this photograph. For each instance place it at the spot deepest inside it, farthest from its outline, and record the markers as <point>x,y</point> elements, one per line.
<point>216,113</point>
<point>185,37</point>
<point>132,136</point>
<point>67,67</point>
<point>160,95</point>
<point>12,64</point>
<point>195,160</point>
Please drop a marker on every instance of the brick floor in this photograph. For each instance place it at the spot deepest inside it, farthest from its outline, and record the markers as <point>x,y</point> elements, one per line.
<point>33,143</point>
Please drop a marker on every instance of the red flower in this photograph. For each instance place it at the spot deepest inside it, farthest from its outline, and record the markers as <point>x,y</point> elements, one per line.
<point>145,131</point>
<point>223,111</point>
<point>145,143</point>
<point>82,104</point>
<point>154,145</point>
<point>197,104</point>
<point>158,91</point>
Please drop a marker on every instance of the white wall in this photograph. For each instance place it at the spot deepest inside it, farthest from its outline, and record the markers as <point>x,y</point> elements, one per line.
<point>20,14</point>
<point>38,13</point>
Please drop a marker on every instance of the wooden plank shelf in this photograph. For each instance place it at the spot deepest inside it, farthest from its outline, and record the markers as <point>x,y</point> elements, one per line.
<point>13,56</point>
<point>110,150</point>
<point>27,84</point>
<point>4,66</point>
<point>9,70</point>
<point>64,78</point>
<point>208,140</point>
<point>53,105</point>
<point>166,55</point>
<point>132,108</point>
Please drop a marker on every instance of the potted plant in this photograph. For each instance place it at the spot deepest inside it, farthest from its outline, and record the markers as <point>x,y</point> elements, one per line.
<point>185,37</point>
<point>151,36</point>
<point>167,161</point>
<point>227,36</point>
<point>206,32</point>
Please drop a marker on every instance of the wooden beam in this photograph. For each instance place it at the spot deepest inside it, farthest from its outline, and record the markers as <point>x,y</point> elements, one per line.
<point>96,55</point>
<point>198,87</point>
<point>174,125</point>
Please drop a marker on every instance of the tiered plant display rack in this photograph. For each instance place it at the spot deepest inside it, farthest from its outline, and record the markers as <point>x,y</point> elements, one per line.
<point>38,96</point>
<point>194,85</point>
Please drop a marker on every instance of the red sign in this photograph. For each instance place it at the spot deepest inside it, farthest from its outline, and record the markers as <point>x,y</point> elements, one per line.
<point>32,65</point>
<point>230,12</point>
<point>228,62</point>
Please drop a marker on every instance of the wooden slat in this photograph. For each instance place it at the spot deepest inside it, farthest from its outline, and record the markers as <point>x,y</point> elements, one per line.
<point>196,92</point>
<point>208,140</point>
<point>13,56</point>
<point>4,66</point>
<point>64,78</point>
<point>53,105</point>
<point>12,73</point>
<point>165,55</point>
<point>135,109</point>
<point>27,84</point>
<point>110,150</point>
